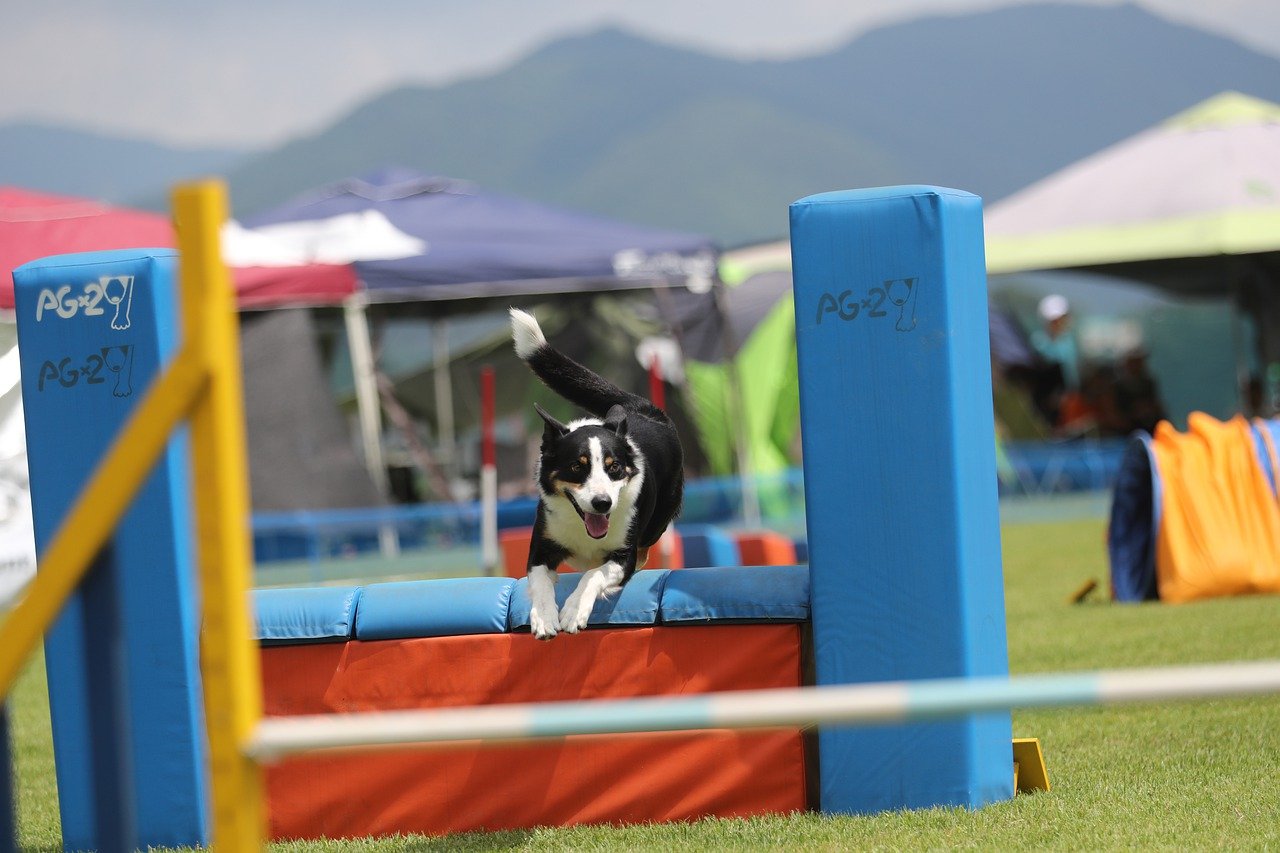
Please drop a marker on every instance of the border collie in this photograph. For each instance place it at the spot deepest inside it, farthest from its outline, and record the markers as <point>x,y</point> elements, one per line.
<point>608,485</point>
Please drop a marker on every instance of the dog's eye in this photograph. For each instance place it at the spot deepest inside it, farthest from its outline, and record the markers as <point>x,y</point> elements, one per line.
<point>575,467</point>
<point>615,468</point>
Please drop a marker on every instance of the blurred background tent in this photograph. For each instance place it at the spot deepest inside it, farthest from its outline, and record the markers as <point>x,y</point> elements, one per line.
<point>760,317</point>
<point>36,225</point>
<point>1191,206</point>
<point>748,375</point>
<point>325,469</point>
<point>421,320</point>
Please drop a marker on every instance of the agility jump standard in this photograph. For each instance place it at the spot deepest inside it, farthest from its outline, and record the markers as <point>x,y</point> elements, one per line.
<point>900,493</point>
<point>896,702</point>
<point>907,601</point>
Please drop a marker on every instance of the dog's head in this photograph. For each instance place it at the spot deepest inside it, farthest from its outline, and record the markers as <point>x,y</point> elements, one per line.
<point>588,463</point>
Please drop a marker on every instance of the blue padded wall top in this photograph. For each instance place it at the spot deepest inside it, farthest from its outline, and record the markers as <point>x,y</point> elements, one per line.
<point>637,604</point>
<point>305,615</point>
<point>438,608</point>
<point>441,608</point>
<point>745,594</point>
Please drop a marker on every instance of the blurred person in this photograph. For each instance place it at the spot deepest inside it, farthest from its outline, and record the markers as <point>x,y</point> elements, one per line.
<point>1056,341</point>
<point>1137,393</point>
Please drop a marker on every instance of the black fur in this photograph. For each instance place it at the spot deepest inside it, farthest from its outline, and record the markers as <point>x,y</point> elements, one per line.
<point>628,420</point>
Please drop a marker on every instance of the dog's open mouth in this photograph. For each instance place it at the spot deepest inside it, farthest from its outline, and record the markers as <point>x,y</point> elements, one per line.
<point>597,524</point>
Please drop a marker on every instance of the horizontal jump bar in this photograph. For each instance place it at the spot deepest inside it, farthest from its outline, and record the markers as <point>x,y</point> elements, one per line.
<point>887,702</point>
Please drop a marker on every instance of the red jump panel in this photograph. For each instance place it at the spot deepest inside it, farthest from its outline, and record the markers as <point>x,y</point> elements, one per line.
<point>587,779</point>
<point>765,548</point>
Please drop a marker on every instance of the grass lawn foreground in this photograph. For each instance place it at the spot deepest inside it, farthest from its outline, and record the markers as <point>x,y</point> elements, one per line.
<point>1185,775</point>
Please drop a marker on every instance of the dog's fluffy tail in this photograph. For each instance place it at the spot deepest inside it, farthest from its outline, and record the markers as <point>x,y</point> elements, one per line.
<point>569,379</point>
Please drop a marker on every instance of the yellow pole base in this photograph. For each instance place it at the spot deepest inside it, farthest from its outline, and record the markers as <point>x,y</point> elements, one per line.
<point>1029,770</point>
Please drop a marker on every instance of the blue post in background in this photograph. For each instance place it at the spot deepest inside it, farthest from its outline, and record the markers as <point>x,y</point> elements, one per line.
<point>900,484</point>
<point>8,814</point>
<point>94,330</point>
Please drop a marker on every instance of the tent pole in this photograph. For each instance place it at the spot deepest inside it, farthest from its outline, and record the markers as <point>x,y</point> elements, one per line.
<point>354,310</point>
<point>489,546</point>
<point>751,516</point>
<point>445,425</point>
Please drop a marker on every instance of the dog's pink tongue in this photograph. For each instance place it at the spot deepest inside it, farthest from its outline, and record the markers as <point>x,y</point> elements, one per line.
<point>597,525</point>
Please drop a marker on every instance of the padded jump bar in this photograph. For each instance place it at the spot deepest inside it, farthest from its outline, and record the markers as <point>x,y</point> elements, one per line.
<point>456,606</point>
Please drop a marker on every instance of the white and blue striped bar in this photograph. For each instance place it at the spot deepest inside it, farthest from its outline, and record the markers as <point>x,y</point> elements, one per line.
<point>889,702</point>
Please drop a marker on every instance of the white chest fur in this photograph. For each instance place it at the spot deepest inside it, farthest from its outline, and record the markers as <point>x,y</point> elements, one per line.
<point>565,526</point>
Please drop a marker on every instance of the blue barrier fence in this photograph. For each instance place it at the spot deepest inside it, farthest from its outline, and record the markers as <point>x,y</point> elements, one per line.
<point>1039,468</point>
<point>321,535</point>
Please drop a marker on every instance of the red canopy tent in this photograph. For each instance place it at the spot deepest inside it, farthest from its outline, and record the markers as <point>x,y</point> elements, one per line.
<point>35,225</point>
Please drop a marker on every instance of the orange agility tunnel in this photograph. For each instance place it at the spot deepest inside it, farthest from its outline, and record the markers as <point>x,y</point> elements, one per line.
<point>1195,514</point>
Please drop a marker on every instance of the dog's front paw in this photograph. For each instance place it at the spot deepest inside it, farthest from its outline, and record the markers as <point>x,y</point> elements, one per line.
<point>576,613</point>
<point>543,627</point>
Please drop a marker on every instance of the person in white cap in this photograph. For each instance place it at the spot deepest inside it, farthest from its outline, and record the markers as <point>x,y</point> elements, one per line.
<point>1055,342</point>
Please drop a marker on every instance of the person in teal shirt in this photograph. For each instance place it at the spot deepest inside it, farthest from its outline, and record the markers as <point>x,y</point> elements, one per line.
<point>1055,341</point>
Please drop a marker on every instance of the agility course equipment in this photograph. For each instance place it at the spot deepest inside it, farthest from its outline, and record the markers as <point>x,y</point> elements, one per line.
<point>201,380</point>
<point>200,384</point>
<point>900,491</point>
<point>1194,514</point>
<point>88,338</point>
<point>432,645</point>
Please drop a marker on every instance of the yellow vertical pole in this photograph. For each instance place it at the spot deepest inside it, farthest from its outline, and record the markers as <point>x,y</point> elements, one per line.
<point>230,664</point>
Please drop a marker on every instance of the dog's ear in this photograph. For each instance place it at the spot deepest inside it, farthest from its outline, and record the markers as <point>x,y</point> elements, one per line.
<point>616,420</point>
<point>554,429</point>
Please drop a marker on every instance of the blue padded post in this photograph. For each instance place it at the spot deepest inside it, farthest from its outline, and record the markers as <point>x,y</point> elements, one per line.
<point>8,815</point>
<point>900,484</point>
<point>94,330</point>
<point>706,546</point>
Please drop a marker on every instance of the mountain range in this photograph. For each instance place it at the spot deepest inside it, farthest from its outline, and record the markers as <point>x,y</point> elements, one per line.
<point>112,168</point>
<point>616,124</point>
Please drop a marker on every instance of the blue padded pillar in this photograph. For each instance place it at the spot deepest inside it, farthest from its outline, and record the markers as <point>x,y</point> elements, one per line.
<point>94,330</point>
<point>900,484</point>
<point>8,815</point>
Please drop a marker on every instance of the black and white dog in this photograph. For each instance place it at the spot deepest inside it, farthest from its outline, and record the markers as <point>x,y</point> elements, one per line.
<point>609,485</point>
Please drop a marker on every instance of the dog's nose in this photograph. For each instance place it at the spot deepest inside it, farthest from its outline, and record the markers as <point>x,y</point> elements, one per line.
<point>601,503</point>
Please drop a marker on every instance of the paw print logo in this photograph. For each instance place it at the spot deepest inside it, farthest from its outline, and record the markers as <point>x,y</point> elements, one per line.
<point>902,293</point>
<point>118,290</point>
<point>119,360</point>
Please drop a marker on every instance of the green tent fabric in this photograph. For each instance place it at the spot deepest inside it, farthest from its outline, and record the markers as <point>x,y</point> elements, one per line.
<point>765,361</point>
<point>769,383</point>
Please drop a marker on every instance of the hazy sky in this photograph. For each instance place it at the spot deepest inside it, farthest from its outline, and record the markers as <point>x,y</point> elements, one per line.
<point>258,72</point>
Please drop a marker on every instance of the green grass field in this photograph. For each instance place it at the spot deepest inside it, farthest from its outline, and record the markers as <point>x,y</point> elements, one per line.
<point>1184,776</point>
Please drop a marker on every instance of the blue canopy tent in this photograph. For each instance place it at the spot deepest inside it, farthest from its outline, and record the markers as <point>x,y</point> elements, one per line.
<point>477,244</point>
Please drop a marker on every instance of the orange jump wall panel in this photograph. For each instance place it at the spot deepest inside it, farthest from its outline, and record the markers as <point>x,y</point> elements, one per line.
<point>589,779</point>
